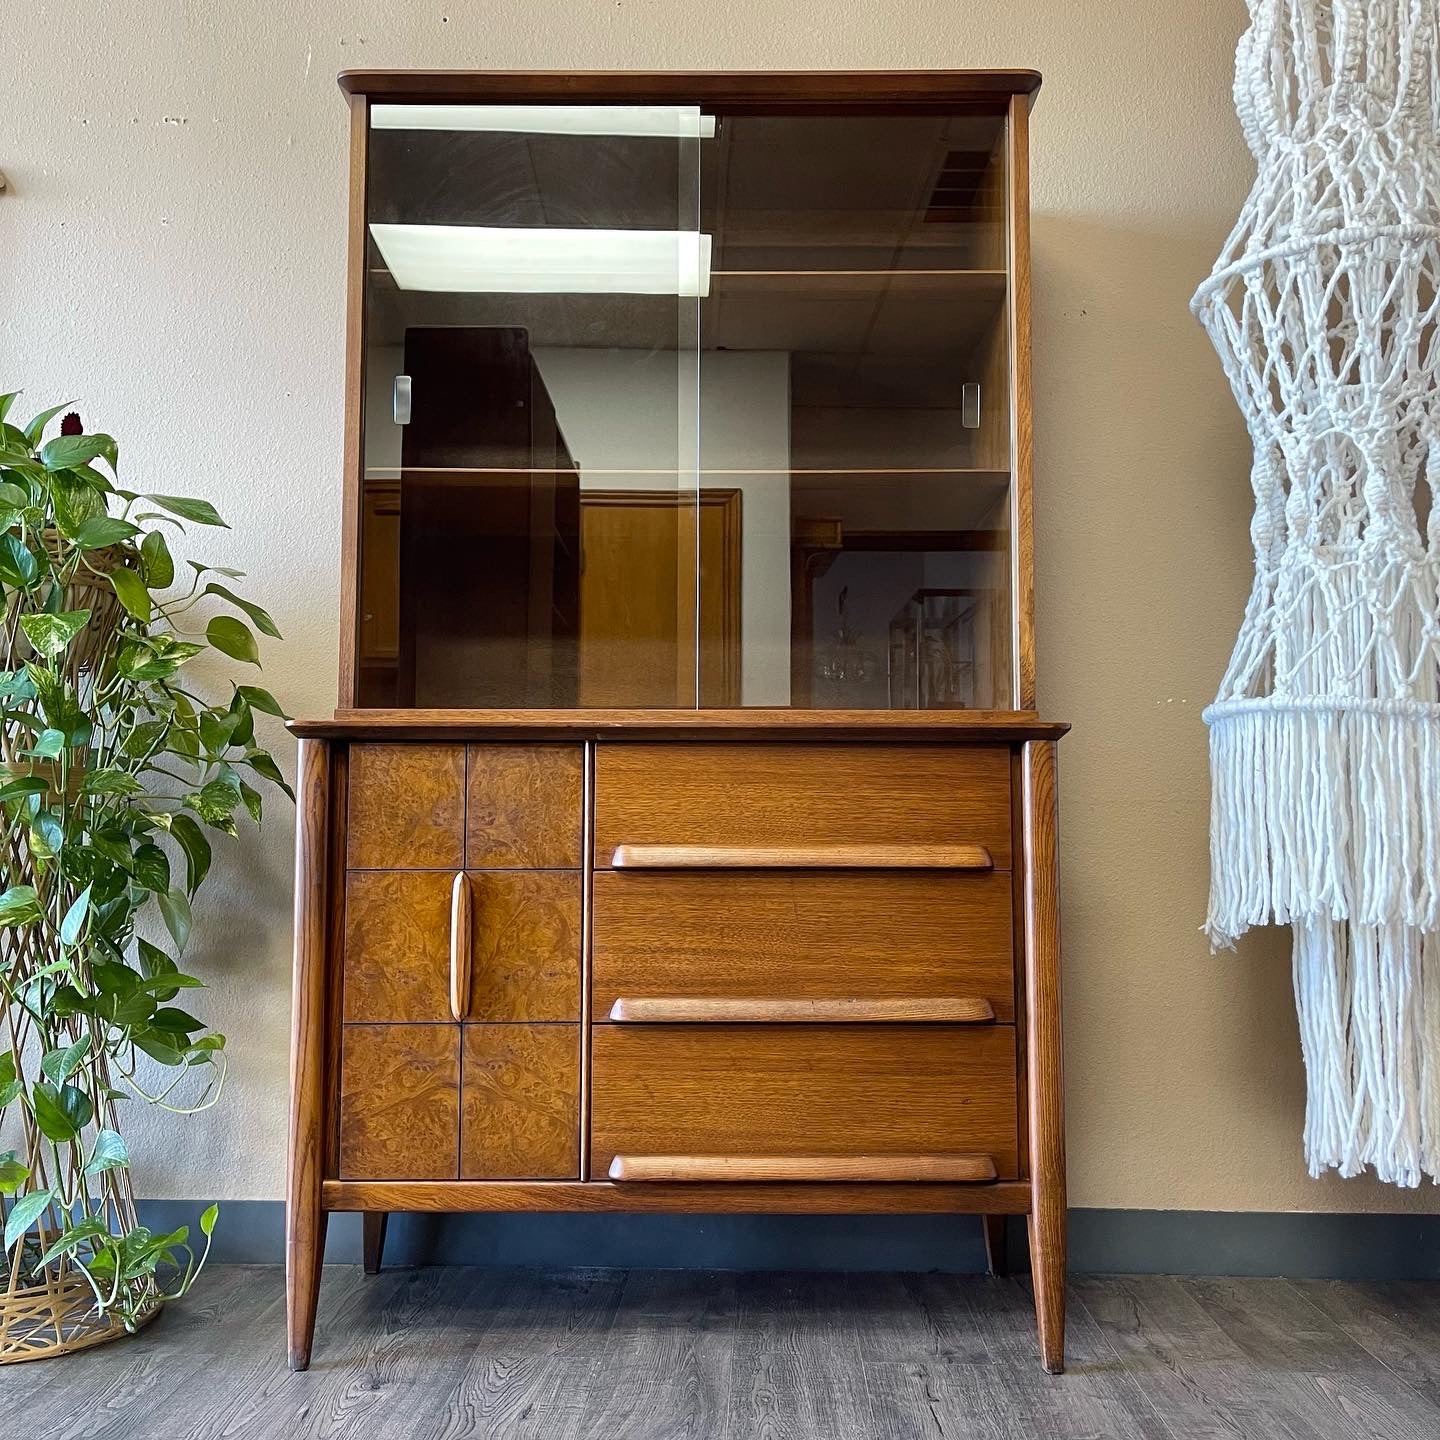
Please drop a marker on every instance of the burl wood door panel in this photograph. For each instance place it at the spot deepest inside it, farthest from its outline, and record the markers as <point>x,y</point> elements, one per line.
<point>775,1090</point>
<point>523,807</point>
<point>407,807</point>
<point>399,1102</point>
<point>802,796</point>
<point>525,945</point>
<point>397,945</point>
<point>521,1115</point>
<point>814,936</point>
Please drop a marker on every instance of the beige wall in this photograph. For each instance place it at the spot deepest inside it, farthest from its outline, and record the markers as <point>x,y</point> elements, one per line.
<point>171,253</point>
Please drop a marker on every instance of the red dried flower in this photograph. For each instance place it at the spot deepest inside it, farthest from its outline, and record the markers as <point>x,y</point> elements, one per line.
<point>71,425</point>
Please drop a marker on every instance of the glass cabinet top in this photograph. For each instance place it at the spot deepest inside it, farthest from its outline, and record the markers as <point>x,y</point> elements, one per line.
<point>670,409</point>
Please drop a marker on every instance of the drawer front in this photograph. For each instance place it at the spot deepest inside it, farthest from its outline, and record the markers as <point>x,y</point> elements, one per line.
<point>747,934</point>
<point>802,1090</point>
<point>802,797</point>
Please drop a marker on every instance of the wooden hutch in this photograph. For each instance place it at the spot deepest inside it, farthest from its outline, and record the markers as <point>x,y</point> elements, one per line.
<point>685,837</point>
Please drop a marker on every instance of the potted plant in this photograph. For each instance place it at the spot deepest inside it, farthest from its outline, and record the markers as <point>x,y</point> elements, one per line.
<point>114,773</point>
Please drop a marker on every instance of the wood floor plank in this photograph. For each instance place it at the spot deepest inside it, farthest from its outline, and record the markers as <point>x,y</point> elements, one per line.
<point>1323,1382</point>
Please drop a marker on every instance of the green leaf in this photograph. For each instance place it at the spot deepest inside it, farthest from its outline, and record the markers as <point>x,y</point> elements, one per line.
<point>19,906</point>
<point>104,530</point>
<point>191,839</point>
<point>46,835</point>
<point>263,623</point>
<point>24,1213</point>
<point>12,1173</point>
<point>49,744</point>
<point>75,1236</point>
<point>18,566</point>
<point>158,1047</point>
<point>109,1153</point>
<point>180,1022</point>
<point>151,869</point>
<point>232,637</point>
<point>51,634</point>
<point>258,699</point>
<point>208,1219</point>
<point>263,763</point>
<point>74,921</point>
<point>131,592</point>
<point>159,567</point>
<point>6,401</point>
<point>36,428</point>
<point>254,801</point>
<point>65,451</point>
<point>61,1114</point>
<point>202,512</point>
<point>175,911</point>
<point>108,782</point>
<point>59,1065</point>
<point>25,785</point>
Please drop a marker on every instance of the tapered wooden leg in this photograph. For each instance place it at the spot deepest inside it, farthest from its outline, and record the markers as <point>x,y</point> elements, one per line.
<point>997,1258</point>
<point>374,1224</point>
<point>304,1219</point>
<point>1043,1053</point>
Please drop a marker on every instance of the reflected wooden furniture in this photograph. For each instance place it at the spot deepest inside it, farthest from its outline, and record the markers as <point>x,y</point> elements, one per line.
<point>651,958</point>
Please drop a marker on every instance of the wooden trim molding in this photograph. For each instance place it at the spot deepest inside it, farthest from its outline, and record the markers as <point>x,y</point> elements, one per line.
<point>1004,1197</point>
<point>682,1010</point>
<point>884,1169</point>
<point>1022,447</point>
<point>988,726</point>
<point>775,91</point>
<point>798,857</point>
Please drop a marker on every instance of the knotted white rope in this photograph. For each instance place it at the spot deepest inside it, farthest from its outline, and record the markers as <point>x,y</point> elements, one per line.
<point>1325,736</point>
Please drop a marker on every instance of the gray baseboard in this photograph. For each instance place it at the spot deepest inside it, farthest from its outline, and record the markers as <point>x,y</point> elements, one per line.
<point>1174,1242</point>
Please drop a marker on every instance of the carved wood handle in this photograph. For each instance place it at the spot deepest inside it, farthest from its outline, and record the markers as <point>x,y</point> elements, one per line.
<point>687,1010</point>
<point>835,1168</point>
<point>801,857</point>
<point>460,945</point>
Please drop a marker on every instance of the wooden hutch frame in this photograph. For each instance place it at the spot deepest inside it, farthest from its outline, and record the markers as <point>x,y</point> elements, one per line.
<point>315,1185</point>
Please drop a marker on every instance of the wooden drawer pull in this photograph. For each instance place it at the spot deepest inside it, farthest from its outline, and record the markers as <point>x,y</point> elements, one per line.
<point>683,1010</point>
<point>899,1168</point>
<point>460,946</point>
<point>801,857</point>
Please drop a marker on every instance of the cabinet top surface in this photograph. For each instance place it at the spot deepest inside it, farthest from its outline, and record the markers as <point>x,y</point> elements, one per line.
<point>786,88</point>
<point>992,726</point>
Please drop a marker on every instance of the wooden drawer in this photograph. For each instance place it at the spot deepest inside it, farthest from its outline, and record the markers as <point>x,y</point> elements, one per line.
<point>524,945</point>
<point>779,1091</point>
<point>803,800</point>
<point>901,935</point>
<point>488,807</point>
<point>402,1115</point>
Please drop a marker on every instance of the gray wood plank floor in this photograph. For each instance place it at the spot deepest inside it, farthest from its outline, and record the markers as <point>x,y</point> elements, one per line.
<point>449,1352</point>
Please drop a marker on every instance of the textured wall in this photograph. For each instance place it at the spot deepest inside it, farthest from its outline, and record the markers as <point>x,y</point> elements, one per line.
<point>171,253</point>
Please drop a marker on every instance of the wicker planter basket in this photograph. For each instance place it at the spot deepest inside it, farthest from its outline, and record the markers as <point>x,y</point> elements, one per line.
<point>50,1309</point>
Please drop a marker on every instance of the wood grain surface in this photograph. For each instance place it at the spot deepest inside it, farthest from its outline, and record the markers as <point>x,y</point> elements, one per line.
<point>523,807</point>
<point>801,857</point>
<point>521,1114</point>
<point>802,1090</point>
<point>802,795</point>
<point>397,945</point>
<point>1044,1054</point>
<point>751,1169</point>
<point>672,1010</point>
<point>407,807</point>
<point>811,936</point>
<point>400,1102</point>
<point>525,946</point>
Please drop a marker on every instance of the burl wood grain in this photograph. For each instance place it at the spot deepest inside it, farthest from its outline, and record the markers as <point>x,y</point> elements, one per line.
<point>802,1090</point>
<point>523,809</point>
<point>525,946</point>
<point>802,796</point>
<point>399,1102</point>
<point>865,935</point>
<point>397,945</point>
<point>407,807</point>
<point>522,1103</point>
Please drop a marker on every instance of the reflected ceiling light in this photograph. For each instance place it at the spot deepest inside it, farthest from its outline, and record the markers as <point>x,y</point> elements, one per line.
<point>478,259</point>
<point>674,121</point>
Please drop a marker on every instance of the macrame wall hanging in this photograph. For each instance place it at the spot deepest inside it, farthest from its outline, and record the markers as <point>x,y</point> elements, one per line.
<point>1325,736</point>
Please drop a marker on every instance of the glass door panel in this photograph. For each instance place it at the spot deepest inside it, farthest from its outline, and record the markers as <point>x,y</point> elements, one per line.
<point>529,507</point>
<point>855,414</point>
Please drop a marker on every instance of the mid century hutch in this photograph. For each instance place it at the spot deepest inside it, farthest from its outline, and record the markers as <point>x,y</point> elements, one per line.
<point>685,836</point>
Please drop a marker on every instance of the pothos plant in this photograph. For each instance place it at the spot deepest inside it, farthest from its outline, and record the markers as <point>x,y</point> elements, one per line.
<point>115,771</point>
